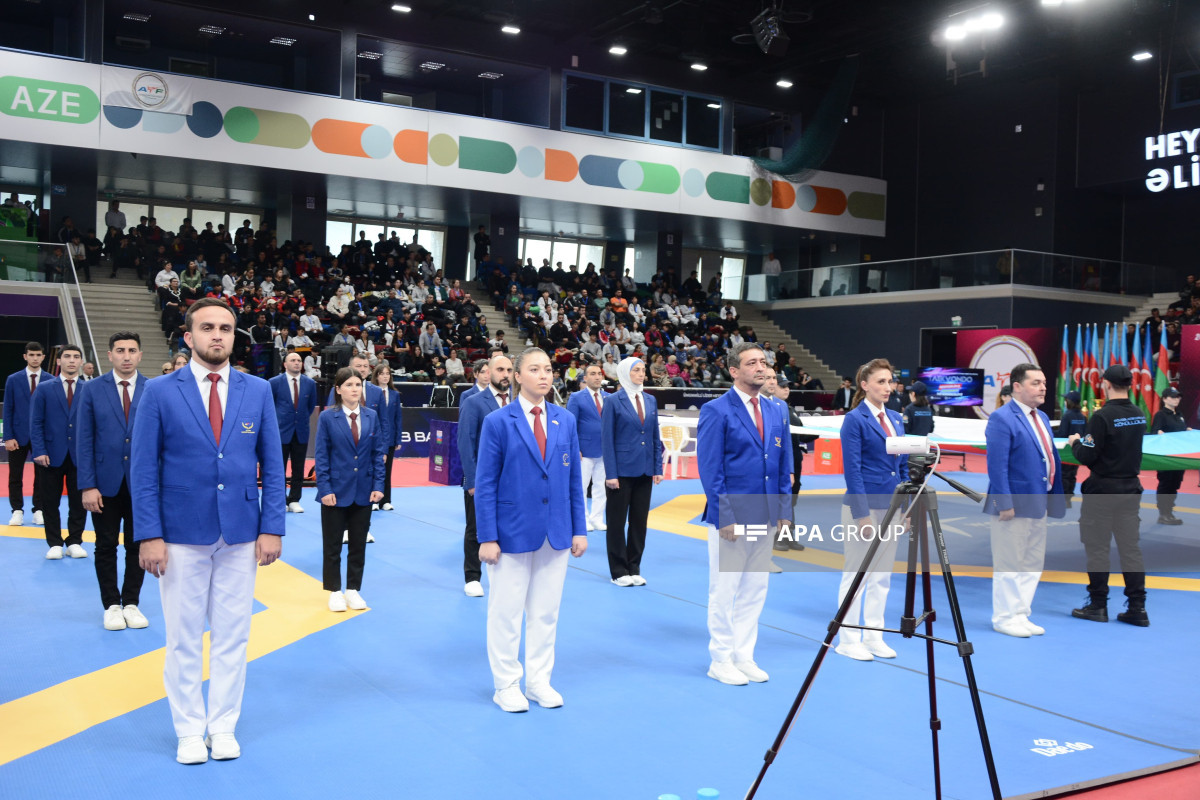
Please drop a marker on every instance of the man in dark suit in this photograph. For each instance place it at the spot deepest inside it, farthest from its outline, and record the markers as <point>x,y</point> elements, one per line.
<point>18,393</point>
<point>587,407</point>
<point>843,398</point>
<point>201,436</point>
<point>295,396</point>
<point>470,422</point>
<point>52,442</point>
<point>105,424</point>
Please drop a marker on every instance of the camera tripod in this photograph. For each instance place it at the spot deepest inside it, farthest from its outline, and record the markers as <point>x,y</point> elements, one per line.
<point>922,511</point>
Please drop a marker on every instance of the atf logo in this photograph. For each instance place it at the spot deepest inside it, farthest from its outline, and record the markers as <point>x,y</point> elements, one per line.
<point>150,89</point>
<point>1050,747</point>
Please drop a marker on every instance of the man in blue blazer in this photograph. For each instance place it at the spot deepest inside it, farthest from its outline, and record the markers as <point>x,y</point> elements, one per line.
<point>52,440</point>
<point>744,455</point>
<point>18,394</point>
<point>470,423</point>
<point>201,436</point>
<point>529,511</point>
<point>1024,487</point>
<point>295,396</point>
<point>105,423</point>
<point>587,406</point>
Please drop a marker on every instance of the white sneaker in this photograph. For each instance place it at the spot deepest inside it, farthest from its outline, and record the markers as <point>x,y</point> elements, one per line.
<point>598,526</point>
<point>337,601</point>
<point>134,617</point>
<point>295,508</point>
<point>374,506</point>
<point>856,650</point>
<point>624,580</point>
<point>591,527</point>
<point>773,568</point>
<point>1036,630</point>
<point>510,699</point>
<point>76,551</point>
<point>544,696</point>
<point>388,507</point>
<point>370,538</point>
<point>114,620</point>
<point>1012,627</point>
<point>726,672</point>
<point>345,537</point>
<point>38,519</point>
<point>752,671</point>
<point>354,600</point>
<point>879,649</point>
<point>224,746</point>
<point>54,553</point>
<point>191,750</point>
<point>17,518</point>
<point>473,589</point>
<point>638,580</point>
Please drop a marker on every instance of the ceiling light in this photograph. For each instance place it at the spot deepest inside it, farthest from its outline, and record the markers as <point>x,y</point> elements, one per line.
<point>132,17</point>
<point>370,55</point>
<point>699,67</point>
<point>955,33</point>
<point>491,76</point>
<point>632,90</point>
<point>214,30</point>
<point>510,29</point>
<point>403,9</point>
<point>1142,55</point>
<point>715,105</point>
<point>430,66</point>
<point>1052,2</point>
<point>783,83</point>
<point>617,50</point>
<point>284,40</point>
<point>312,17</point>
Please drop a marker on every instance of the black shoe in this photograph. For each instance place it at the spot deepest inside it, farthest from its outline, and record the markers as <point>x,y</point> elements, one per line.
<point>1135,614</point>
<point>1169,519</point>
<point>795,546</point>
<point>1093,612</point>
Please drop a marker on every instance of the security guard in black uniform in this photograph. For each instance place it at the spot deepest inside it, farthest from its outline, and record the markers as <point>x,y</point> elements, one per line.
<point>1168,420</point>
<point>1112,450</point>
<point>1071,421</point>
<point>918,414</point>
<point>781,393</point>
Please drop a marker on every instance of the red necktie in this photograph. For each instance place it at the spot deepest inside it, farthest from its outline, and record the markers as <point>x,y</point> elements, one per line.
<point>32,383</point>
<point>757,416</point>
<point>215,418</point>
<point>1046,444</point>
<point>354,428</point>
<point>599,410</point>
<point>503,399</point>
<point>125,398</point>
<point>70,391</point>
<point>539,432</point>
<point>641,414</point>
<point>295,392</point>
<point>883,424</point>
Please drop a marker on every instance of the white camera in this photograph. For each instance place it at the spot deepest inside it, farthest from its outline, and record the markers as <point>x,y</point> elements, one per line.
<point>908,445</point>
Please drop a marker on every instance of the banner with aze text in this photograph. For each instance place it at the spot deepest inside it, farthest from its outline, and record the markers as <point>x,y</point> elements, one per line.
<point>997,351</point>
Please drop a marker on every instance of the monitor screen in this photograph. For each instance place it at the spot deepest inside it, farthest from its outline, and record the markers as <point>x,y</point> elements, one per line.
<point>948,386</point>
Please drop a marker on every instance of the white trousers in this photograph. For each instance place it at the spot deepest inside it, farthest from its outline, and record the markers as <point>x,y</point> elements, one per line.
<point>529,584</point>
<point>593,473</point>
<point>737,590</point>
<point>870,602</point>
<point>1018,553</point>
<point>214,584</point>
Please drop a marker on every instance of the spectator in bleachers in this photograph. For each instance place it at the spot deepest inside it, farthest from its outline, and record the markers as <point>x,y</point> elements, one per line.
<point>430,342</point>
<point>365,347</point>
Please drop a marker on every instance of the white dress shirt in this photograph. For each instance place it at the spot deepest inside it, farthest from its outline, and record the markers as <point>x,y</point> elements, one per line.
<point>746,404</point>
<point>132,386</point>
<point>202,382</point>
<point>1038,431</point>
<point>75,384</point>
<point>527,407</point>
<point>875,412</point>
<point>347,410</point>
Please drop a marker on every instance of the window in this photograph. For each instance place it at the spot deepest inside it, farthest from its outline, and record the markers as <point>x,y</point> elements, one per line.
<point>537,249</point>
<point>593,253</point>
<point>583,103</point>
<point>169,218</point>
<point>338,233</point>
<point>666,117</point>
<point>732,270</point>
<point>567,252</point>
<point>703,122</point>
<point>200,216</point>
<point>626,110</point>
<point>434,241</point>
<point>640,111</point>
<point>372,232</point>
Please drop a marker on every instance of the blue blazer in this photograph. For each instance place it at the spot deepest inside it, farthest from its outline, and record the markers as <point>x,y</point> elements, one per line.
<point>470,423</point>
<point>343,469</point>
<point>186,488</point>
<point>1017,469</point>
<point>631,447</point>
<point>395,421</point>
<point>104,435</point>
<point>746,480</point>
<point>468,394</point>
<point>51,424</point>
<point>588,424</point>
<point>871,474</point>
<point>17,400</point>
<point>293,420</point>
<point>373,399</point>
<point>521,499</point>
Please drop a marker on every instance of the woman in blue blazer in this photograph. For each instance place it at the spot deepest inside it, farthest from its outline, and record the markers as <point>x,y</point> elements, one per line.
<point>871,477</point>
<point>382,377</point>
<point>633,458</point>
<point>350,453</point>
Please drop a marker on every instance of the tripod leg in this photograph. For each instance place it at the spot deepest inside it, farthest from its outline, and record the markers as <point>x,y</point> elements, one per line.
<point>908,622</point>
<point>921,532</point>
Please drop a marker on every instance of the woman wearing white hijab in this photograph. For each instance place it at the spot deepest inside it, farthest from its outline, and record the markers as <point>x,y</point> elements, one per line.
<point>633,455</point>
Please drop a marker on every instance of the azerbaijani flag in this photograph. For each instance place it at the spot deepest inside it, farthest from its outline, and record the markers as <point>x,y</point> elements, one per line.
<point>1135,367</point>
<point>1077,376</point>
<point>1093,365</point>
<point>1064,369</point>
<point>1162,376</point>
<point>1118,337</point>
<point>1152,400</point>
<point>1108,347</point>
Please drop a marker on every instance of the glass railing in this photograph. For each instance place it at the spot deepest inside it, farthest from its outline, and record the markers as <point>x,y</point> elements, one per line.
<point>958,270</point>
<point>45,270</point>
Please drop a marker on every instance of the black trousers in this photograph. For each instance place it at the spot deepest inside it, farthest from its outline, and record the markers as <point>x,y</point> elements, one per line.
<point>472,571</point>
<point>334,521</point>
<point>630,501</point>
<point>295,451</point>
<point>1069,471</point>
<point>1168,487</point>
<point>387,476</point>
<point>52,486</point>
<point>117,509</point>
<point>16,480</point>
<point>1102,519</point>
